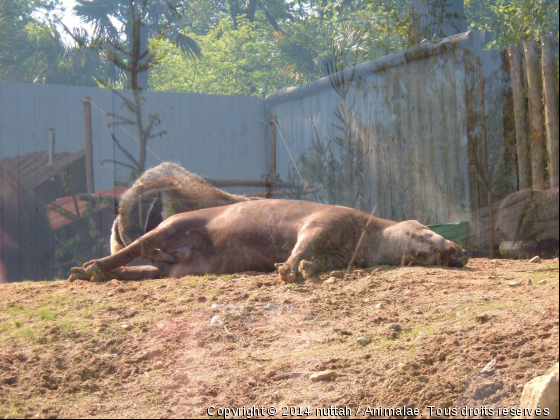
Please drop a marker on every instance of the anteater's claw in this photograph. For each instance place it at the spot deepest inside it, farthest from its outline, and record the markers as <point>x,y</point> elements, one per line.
<point>285,272</point>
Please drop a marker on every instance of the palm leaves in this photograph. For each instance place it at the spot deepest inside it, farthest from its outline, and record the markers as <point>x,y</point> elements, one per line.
<point>311,48</point>
<point>122,30</point>
<point>40,53</point>
<point>115,22</point>
<point>299,50</point>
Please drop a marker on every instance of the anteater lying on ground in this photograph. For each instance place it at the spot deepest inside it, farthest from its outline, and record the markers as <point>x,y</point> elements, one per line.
<point>293,236</point>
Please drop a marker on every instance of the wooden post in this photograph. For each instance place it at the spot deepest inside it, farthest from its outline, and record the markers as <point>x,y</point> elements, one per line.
<point>484,157</point>
<point>473,133</point>
<point>550,84</point>
<point>520,116</point>
<point>536,115</point>
<point>272,166</point>
<point>89,145</point>
<point>51,146</point>
<point>89,157</point>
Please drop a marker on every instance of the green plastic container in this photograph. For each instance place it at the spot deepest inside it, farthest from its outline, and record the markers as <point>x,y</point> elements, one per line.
<point>456,232</point>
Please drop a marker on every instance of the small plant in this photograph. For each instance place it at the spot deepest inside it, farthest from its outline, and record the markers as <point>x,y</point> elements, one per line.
<point>46,314</point>
<point>81,240</point>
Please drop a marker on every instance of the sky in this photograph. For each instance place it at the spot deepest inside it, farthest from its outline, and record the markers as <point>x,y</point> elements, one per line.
<point>69,19</point>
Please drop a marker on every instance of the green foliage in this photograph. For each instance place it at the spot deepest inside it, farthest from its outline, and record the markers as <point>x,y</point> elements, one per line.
<point>122,30</point>
<point>234,62</point>
<point>251,46</point>
<point>512,21</point>
<point>46,314</point>
<point>32,49</point>
<point>301,50</point>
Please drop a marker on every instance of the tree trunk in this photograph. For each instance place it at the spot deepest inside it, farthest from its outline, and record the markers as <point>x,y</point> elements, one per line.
<point>143,47</point>
<point>251,9</point>
<point>233,10</point>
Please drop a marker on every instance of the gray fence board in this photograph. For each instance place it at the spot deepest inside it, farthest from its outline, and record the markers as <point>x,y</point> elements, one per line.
<point>8,131</point>
<point>28,237</point>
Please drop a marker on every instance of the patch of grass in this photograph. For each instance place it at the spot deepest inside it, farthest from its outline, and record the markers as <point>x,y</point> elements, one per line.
<point>13,310</point>
<point>27,333</point>
<point>172,295</point>
<point>57,300</point>
<point>89,312</point>
<point>191,281</point>
<point>46,314</point>
<point>154,399</point>
<point>25,323</point>
<point>536,276</point>
<point>500,306</point>
<point>17,408</point>
<point>67,326</point>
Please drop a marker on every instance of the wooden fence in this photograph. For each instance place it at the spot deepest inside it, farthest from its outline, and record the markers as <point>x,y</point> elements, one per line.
<point>536,127</point>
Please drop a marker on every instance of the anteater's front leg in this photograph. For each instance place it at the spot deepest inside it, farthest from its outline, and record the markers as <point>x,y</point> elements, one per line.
<point>141,272</point>
<point>311,238</point>
<point>98,269</point>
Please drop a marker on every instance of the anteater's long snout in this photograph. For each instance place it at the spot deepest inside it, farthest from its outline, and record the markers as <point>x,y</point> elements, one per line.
<point>460,257</point>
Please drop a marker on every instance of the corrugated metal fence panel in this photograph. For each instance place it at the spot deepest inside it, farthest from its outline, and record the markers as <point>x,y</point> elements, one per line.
<point>410,110</point>
<point>218,137</point>
<point>215,136</point>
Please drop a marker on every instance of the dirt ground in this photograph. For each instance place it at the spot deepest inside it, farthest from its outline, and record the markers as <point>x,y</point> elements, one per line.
<point>174,348</point>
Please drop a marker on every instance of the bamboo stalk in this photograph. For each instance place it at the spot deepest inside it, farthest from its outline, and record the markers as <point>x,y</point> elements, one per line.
<point>550,85</point>
<point>484,158</point>
<point>522,141</point>
<point>536,115</point>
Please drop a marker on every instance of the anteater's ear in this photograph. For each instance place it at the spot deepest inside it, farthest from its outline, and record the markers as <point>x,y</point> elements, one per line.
<point>155,214</point>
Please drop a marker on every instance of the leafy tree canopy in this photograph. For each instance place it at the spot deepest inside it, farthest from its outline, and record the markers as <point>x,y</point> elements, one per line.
<point>32,48</point>
<point>512,21</point>
<point>249,46</point>
<point>235,61</point>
